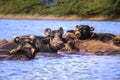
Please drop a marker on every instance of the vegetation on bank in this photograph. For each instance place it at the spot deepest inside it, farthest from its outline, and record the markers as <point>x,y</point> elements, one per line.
<point>84,8</point>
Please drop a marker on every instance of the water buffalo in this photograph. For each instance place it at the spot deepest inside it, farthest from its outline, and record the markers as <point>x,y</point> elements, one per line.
<point>81,32</point>
<point>85,32</point>
<point>28,46</point>
<point>7,50</point>
<point>93,47</point>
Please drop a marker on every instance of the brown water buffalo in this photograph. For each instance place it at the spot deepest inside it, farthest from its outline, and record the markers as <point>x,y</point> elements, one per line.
<point>116,40</point>
<point>93,47</point>
<point>69,37</point>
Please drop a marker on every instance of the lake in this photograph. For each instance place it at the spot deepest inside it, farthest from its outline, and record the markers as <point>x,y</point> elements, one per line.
<point>64,67</point>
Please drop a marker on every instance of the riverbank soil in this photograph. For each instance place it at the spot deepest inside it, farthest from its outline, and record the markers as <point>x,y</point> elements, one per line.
<point>52,17</point>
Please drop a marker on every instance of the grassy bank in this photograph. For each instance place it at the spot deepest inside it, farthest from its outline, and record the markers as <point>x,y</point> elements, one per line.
<point>64,9</point>
<point>51,17</point>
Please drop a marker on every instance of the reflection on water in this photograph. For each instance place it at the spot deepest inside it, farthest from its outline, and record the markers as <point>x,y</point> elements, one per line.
<point>66,67</point>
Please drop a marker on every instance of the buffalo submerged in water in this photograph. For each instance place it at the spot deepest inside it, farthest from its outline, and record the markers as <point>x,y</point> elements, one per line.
<point>27,47</point>
<point>83,40</point>
<point>80,40</point>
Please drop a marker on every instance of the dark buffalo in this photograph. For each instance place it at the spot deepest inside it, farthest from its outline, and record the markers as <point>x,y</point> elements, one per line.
<point>84,32</point>
<point>11,50</point>
<point>28,46</point>
<point>55,38</point>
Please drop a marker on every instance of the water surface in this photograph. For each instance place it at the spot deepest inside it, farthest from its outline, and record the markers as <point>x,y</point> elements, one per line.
<point>65,67</point>
<point>11,27</point>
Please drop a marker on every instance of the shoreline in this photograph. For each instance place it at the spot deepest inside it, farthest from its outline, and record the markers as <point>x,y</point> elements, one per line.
<point>52,17</point>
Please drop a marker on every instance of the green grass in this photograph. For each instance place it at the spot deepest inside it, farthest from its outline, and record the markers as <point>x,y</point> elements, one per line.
<point>109,8</point>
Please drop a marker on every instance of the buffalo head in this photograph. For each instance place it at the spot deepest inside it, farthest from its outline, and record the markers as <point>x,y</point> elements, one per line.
<point>55,37</point>
<point>26,46</point>
<point>83,31</point>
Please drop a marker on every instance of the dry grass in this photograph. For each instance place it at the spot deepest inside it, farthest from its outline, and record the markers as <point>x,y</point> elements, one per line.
<point>72,17</point>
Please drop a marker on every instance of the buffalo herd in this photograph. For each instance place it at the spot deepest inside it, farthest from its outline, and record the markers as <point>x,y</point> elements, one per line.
<point>81,40</point>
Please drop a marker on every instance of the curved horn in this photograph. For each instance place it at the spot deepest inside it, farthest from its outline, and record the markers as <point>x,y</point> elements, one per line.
<point>92,28</point>
<point>17,39</point>
<point>32,38</point>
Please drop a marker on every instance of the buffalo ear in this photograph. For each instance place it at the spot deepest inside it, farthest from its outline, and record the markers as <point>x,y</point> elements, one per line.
<point>61,30</point>
<point>92,28</point>
<point>17,39</point>
<point>32,38</point>
<point>47,32</point>
<point>77,28</point>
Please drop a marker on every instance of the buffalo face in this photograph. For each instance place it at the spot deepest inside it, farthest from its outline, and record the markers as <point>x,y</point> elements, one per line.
<point>55,37</point>
<point>83,31</point>
<point>26,46</point>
